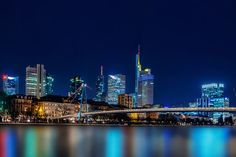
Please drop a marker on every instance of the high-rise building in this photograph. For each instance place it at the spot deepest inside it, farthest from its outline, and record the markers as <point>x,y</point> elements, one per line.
<point>145,86</point>
<point>75,84</point>
<point>116,86</point>
<point>138,70</point>
<point>49,84</point>
<point>35,81</point>
<point>213,90</point>
<point>213,96</point>
<point>100,87</point>
<point>10,85</point>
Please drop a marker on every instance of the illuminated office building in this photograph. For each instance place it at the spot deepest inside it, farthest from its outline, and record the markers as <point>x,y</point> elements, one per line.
<point>144,84</point>
<point>10,85</point>
<point>116,86</point>
<point>49,85</point>
<point>35,81</point>
<point>75,84</point>
<point>100,87</point>
<point>138,70</point>
<point>213,90</point>
<point>213,96</point>
<point>145,88</point>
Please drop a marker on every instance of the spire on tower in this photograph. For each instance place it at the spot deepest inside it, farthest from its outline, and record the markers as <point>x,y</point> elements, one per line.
<point>101,70</point>
<point>139,49</point>
<point>139,62</point>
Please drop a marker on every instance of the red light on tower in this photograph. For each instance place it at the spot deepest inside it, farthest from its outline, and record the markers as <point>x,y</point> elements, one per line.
<point>4,77</point>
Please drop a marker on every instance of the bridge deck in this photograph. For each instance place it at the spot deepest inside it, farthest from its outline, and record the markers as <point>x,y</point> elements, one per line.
<point>226,109</point>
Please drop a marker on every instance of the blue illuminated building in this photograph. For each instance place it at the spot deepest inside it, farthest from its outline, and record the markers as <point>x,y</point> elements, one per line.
<point>116,86</point>
<point>144,84</point>
<point>213,96</point>
<point>213,90</point>
<point>146,87</point>
<point>49,84</point>
<point>100,87</point>
<point>138,70</point>
<point>10,85</point>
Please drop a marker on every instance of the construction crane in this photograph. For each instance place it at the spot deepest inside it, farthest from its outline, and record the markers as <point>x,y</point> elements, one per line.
<point>81,91</point>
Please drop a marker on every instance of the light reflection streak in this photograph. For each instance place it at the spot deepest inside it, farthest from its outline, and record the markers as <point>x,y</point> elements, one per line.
<point>11,143</point>
<point>114,143</point>
<point>30,146</point>
<point>205,142</point>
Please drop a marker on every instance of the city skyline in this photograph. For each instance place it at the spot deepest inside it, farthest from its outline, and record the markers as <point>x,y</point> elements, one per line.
<point>118,78</point>
<point>145,71</point>
<point>182,45</point>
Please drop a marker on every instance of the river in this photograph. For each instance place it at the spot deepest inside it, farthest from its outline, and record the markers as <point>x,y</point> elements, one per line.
<point>105,141</point>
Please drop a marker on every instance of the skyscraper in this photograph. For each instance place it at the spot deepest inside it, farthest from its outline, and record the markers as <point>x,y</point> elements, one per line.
<point>213,90</point>
<point>116,86</point>
<point>145,86</point>
<point>75,84</point>
<point>35,81</point>
<point>213,96</point>
<point>49,84</point>
<point>138,70</point>
<point>100,87</point>
<point>10,85</point>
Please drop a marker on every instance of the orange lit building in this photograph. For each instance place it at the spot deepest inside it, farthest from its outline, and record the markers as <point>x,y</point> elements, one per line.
<point>125,100</point>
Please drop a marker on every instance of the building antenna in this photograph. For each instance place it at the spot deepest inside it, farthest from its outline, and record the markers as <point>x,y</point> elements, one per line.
<point>101,70</point>
<point>139,49</point>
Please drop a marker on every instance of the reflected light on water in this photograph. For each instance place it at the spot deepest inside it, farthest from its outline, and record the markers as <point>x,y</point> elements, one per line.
<point>76,141</point>
<point>30,143</point>
<point>10,143</point>
<point>207,142</point>
<point>114,143</point>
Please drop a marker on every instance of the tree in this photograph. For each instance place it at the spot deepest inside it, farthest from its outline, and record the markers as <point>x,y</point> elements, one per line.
<point>221,120</point>
<point>3,97</point>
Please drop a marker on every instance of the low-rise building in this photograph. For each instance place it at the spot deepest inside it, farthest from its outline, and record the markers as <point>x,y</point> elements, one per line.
<point>126,100</point>
<point>54,106</point>
<point>47,109</point>
<point>20,105</point>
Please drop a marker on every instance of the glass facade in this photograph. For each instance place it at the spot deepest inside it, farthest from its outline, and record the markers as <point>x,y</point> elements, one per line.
<point>10,85</point>
<point>49,85</point>
<point>100,88</point>
<point>116,86</point>
<point>213,90</point>
<point>213,96</point>
<point>218,103</point>
<point>144,84</point>
<point>36,81</point>
<point>146,88</point>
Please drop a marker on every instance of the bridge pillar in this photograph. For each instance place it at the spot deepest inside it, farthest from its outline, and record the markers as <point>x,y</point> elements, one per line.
<point>79,117</point>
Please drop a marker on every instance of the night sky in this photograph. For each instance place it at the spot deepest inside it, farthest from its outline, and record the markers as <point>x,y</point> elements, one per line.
<point>185,43</point>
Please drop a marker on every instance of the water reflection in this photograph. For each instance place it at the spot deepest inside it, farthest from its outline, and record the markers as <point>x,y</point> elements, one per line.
<point>207,142</point>
<point>75,141</point>
<point>10,143</point>
<point>114,143</point>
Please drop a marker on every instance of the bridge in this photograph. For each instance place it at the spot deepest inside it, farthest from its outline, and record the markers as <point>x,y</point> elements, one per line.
<point>160,110</point>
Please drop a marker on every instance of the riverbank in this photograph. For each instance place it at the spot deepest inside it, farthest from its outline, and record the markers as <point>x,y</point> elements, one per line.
<point>107,125</point>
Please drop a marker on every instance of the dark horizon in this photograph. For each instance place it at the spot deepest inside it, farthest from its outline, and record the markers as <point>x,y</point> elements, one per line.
<point>186,44</point>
